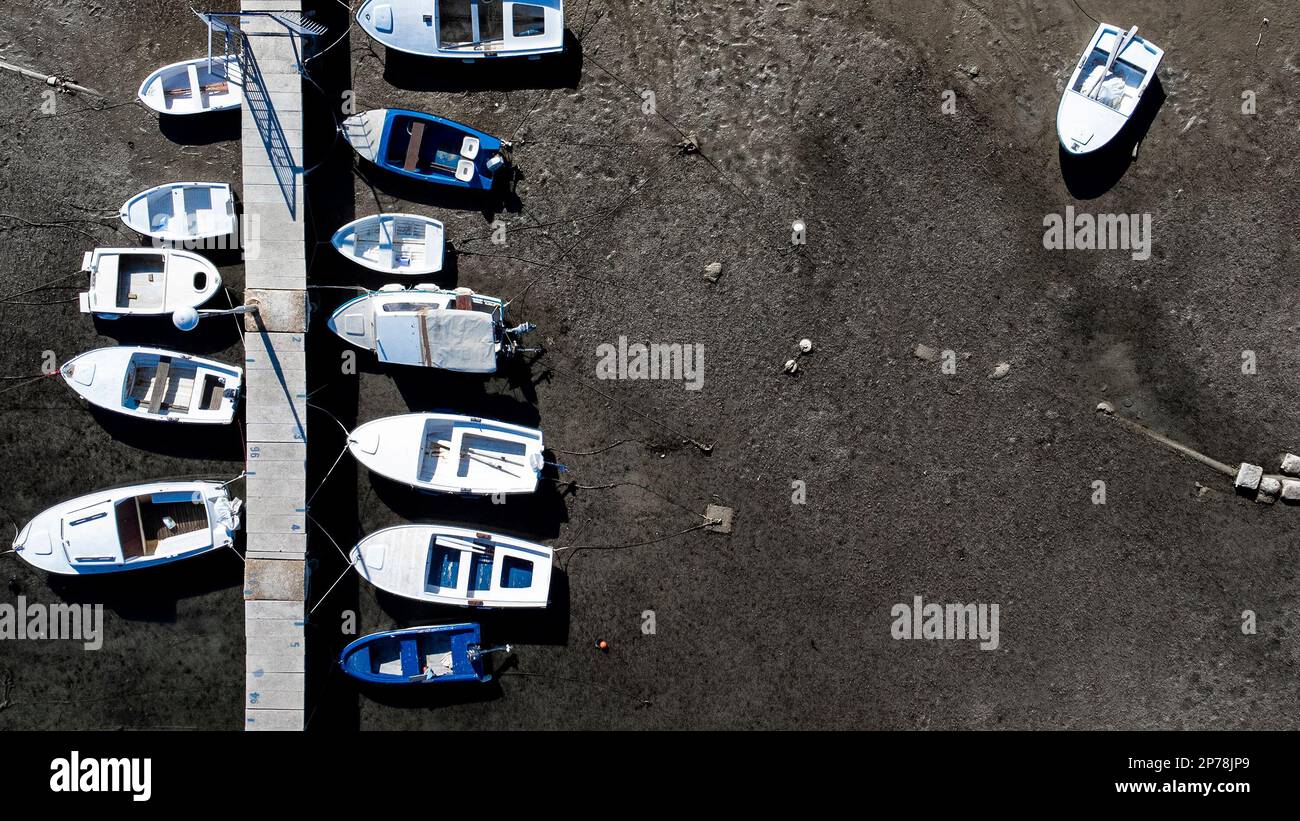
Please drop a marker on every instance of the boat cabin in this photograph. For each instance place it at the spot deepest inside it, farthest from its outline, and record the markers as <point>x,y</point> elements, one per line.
<point>136,529</point>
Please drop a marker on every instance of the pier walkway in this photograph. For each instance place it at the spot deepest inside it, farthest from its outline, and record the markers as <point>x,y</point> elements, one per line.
<point>275,405</point>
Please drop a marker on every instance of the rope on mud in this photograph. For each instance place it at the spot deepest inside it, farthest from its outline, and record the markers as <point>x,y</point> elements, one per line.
<point>346,435</point>
<point>705,448</point>
<point>331,538</point>
<point>30,381</point>
<point>322,599</point>
<point>49,285</point>
<point>663,538</point>
<point>598,450</point>
<point>1085,13</point>
<point>64,224</point>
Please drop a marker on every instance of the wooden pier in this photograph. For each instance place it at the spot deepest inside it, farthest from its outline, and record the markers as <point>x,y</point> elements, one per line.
<point>275,404</point>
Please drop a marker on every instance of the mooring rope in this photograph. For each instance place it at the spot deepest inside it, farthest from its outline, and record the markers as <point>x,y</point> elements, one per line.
<point>50,285</point>
<point>30,381</point>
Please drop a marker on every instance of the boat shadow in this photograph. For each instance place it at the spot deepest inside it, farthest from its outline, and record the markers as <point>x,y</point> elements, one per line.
<point>176,439</point>
<point>212,336</point>
<point>547,626</point>
<point>207,128</point>
<point>532,516</point>
<point>152,594</point>
<point>501,198</point>
<point>428,696</point>
<point>1092,175</point>
<point>412,72</point>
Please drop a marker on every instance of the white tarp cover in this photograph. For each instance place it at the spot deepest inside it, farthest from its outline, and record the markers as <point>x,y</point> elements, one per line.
<point>438,338</point>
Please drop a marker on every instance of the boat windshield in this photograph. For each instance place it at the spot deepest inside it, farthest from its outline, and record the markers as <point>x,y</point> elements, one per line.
<point>1116,90</point>
<point>468,22</point>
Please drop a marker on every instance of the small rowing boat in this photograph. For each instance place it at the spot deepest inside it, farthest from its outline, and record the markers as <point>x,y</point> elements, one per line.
<point>393,243</point>
<point>427,147</point>
<point>194,86</point>
<point>466,29</point>
<point>1107,84</point>
<point>430,327</point>
<point>182,211</point>
<point>156,384</point>
<point>447,453</point>
<point>146,281</point>
<point>437,654</point>
<point>453,565</point>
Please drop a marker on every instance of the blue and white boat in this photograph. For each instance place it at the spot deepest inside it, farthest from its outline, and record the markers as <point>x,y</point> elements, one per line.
<point>437,654</point>
<point>443,564</point>
<point>466,29</point>
<point>427,147</point>
<point>1107,84</point>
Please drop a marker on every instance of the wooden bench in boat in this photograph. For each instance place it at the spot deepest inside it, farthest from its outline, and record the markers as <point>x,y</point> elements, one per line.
<point>413,147</point>
<point>163,388</point>
<point>186,517</point>
<point>160,384</point>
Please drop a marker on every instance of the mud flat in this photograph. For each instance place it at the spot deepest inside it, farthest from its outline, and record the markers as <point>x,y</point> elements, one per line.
<point>923,228</point>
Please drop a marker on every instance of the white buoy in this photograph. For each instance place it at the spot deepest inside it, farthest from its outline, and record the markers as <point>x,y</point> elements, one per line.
<point>805,345</point>
<point>186,319</point>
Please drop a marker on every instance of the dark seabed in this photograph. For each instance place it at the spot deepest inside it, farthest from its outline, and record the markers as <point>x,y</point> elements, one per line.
<point>922,228</point>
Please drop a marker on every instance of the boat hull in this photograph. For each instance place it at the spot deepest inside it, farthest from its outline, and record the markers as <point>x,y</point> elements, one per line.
<point>448,453</point>
<point>443,564</point>
<point>156,385</point>
<point>425,327</point>
<point>426,147</point>
<point>194,87</point>
<point>399,244</point>
<point>146,281</point>
<point>1097,104</point>
<point>408,26</point>
<point>182,211</point>
<point>418,656</point>
<point>130,528</point>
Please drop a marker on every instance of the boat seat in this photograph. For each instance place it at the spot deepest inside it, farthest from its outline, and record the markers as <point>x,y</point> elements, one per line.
<point>160,384</point>
<point>413,147</point>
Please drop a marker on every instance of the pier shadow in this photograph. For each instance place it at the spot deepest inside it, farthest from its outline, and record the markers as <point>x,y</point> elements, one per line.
<point>202,129</point>
<point>1092,175</point>
<point>415,73</point>
<point>152,594</point>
